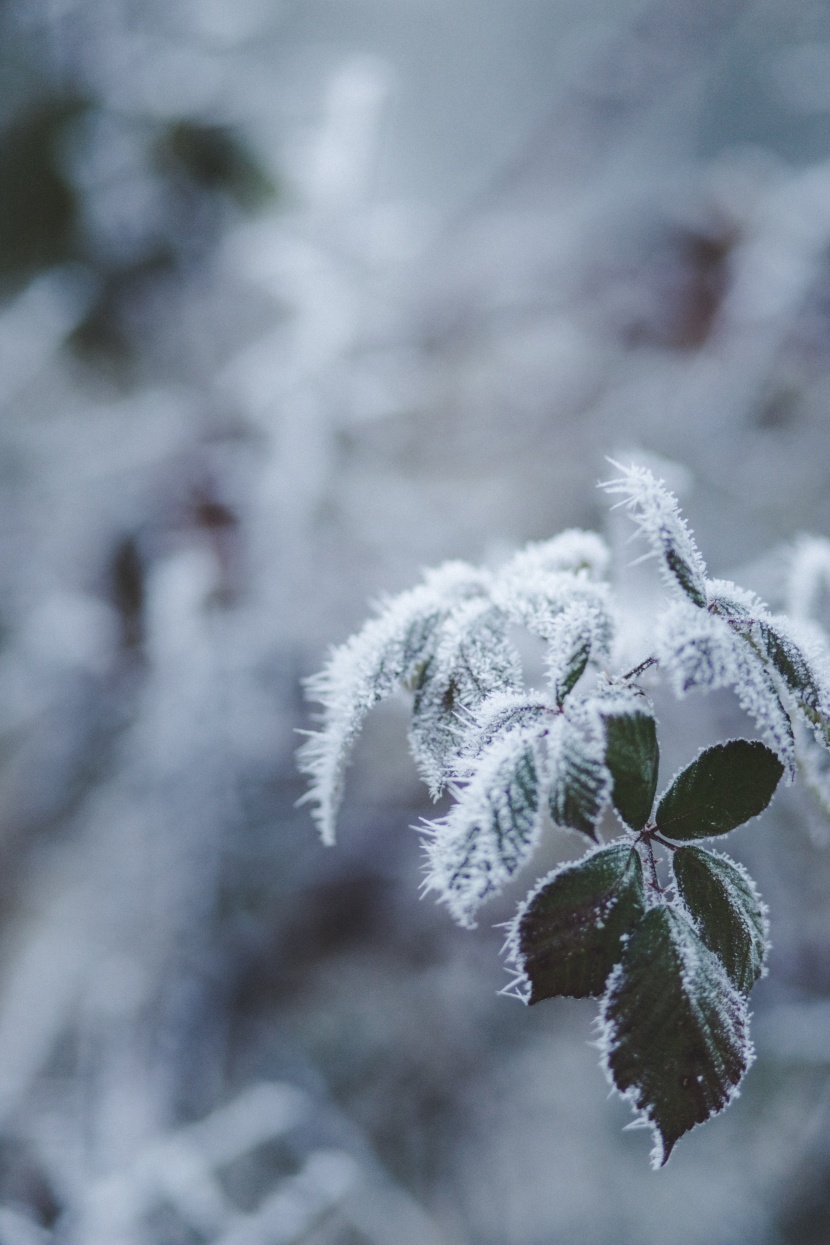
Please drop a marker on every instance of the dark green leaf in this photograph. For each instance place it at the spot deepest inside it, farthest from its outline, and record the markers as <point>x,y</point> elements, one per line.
<point>568,936</point>
<point>632,755</point>
<point>579,779</point>
<point>675,1029</point>
<point>688,577</point>
<point>726,786</point>
<point>727,911</point>
<point>575,665</point>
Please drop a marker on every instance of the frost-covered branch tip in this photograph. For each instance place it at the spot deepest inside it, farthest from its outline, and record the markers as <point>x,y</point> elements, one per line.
<point>672,965</point>
<point>657,515</point>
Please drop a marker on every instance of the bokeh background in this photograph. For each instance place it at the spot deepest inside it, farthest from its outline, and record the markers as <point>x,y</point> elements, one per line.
<point>296,298</point>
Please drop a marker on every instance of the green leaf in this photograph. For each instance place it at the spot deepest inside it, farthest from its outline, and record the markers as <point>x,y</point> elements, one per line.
<point>726,786</point>
<point>574,667</point>
<point>569,933</point>
<point>727,910</point>
<point>675,1030</point>
<point>632,755</point>
<point>578,776</point>
<point>684,572</point>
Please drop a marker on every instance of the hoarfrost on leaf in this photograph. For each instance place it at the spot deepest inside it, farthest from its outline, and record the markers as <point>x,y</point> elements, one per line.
<point>539,582</point>
<point>579,779</point>
<point>698,649</point>
<point>388,651</point>
<point>471,660</point>
<point>568,934</point>
<point>580,633</point>
<point>493,827</point>
<point>499,713</point>
<point>675,962</point>
<point>655,511</point>
<point>727,910</point>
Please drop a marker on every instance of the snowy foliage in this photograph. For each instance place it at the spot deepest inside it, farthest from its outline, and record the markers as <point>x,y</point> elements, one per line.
<point>671,965</point>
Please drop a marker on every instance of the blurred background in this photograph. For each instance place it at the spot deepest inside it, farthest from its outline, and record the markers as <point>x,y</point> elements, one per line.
<point>296,298</point>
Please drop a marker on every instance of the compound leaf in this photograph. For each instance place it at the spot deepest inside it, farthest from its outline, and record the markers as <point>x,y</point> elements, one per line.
<point>724,787</point>
<point>727,911</point>
<point>675,1030</point>
<point>632,755</point>
<point>568,934</point>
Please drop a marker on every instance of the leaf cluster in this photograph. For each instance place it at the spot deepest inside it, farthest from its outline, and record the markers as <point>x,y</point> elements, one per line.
<point>671,964</point>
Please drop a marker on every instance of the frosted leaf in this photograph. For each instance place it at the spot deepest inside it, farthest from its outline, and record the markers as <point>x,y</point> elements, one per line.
<point>492,829</point>
<point>544,578</point>
<point>725,786</point>
<point>471,660</point>
<point>632,755</point>
<point>698,649</point>
<point>655,511</point>
<point>674,1030</point>
<point>579,780</point>
<point>498,713</point>
<point>580,633</point>
<point>568,934</point>
<point>793,654</point>
<point>727,910</point>
<point>580,553</point>
<point>389,650</point>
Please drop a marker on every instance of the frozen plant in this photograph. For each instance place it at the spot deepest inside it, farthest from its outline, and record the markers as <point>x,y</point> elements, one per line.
<point>671,964</point>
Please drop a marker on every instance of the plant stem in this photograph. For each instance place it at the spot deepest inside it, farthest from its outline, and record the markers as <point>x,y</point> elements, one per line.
<point>643,666</point>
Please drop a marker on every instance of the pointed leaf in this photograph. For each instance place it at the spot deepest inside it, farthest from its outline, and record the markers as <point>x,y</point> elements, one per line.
<point>545,578</point>
<point>388,651</point>
<point>724,787</point>
<point>471,660</point>
<point>675,1030</point>
<point>727,911</point>
<point>579,780</point>
<point>655,511</point>
<point>502,712</point>
<point>632,755</point>
<point>580,632</point>
<point>791,664</point>
<point>698,649</point>
<point>491,831</point>
<point>569,933</point>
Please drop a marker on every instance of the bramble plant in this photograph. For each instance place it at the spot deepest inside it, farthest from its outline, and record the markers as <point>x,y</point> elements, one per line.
<point>672,965</point>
